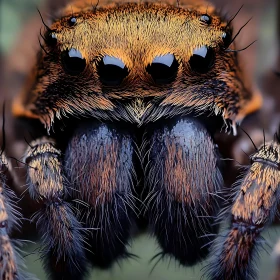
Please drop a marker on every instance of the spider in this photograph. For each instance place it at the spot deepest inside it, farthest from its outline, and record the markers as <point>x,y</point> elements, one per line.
<point>120,122</point>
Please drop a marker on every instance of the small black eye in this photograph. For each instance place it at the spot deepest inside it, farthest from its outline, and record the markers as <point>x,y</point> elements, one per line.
<point>73,62</point>
<point>163,69</point>
<point>206,19</point>
<point>72,21</point>
<point>202,60</point>
<point>50,38</point>
<point>111,70</point>
<point>226,36</point>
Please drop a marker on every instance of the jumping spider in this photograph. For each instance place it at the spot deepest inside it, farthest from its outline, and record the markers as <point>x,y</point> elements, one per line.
<point>125,106</point>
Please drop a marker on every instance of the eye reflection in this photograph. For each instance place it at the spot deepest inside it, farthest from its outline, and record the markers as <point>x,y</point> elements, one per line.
<point>72,21</point>
<point>111,60</point>
<point>164,59</point>
<point>202,60</point>
<point>201,51</point>
<point>163,69</point>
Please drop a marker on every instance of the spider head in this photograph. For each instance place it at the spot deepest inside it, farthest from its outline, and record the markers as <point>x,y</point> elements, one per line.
<point>137,63</point>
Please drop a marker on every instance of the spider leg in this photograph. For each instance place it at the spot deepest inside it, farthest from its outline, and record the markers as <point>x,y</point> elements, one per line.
<point>184,182</point>
<point>276,258</point>
<point>254,208</point>
<point>9,266</point>
<point>62,240</point>
<point>99,163</point>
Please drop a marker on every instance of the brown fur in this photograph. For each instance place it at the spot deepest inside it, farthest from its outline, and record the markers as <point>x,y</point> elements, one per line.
<point>254,209</point>
<point>257,196</point>
<point>56,222</point>
<point>8,266</point>
<point>38,166</point>
<point>118,30</point>
<point>8,262</point>
<point>95,171</point>
<point>184,166</point>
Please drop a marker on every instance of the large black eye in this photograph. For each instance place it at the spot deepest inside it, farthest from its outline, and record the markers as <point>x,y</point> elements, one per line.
<point>73,62</point>
<point>202,60</point>
<point>163,69</point>
<point>111,70</point>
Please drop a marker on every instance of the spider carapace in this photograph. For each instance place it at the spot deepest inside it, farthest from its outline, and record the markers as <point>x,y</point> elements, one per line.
<point>123,106</point>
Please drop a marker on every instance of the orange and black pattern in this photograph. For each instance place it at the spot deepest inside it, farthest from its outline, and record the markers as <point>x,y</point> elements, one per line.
<point>124,109</point>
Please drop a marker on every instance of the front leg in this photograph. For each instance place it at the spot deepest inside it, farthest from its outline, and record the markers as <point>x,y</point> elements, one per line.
<point>254,209</point>
<point>58,227</point>
<point>9,266</point>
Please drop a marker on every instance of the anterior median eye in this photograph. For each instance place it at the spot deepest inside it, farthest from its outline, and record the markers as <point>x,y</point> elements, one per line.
<point>112,70</point>
<point>202,59</point>
<point>163,69</point>
<point>73,62</point>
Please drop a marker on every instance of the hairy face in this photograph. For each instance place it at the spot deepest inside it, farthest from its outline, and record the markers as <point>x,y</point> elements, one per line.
<point>138,63</point>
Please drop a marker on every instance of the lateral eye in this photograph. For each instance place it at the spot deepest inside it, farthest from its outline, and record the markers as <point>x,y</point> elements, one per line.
<point>73,62</point>
<point>226,36</point>
<point>50,38</point>
<point>163,69</point>
<point>202,60</point>
<point>112,70</point>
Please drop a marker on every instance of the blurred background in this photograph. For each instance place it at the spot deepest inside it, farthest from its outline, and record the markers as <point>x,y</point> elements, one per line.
<point>20,24</point>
